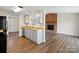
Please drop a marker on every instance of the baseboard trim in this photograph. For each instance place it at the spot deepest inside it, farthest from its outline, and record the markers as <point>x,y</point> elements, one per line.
<point>69,35</point>
<point>14,32</point>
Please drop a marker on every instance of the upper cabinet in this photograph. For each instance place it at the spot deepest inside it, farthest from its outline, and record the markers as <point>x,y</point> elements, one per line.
<point>51,18</point>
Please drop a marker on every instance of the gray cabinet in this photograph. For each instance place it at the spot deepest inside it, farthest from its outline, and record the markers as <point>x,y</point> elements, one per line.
<point>27,33</point>
<point>34,35</point>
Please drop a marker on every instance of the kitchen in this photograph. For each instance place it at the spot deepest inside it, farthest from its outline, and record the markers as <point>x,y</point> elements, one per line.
<point>39,29</point>
<point>32,26</point>
<point>28,23</point>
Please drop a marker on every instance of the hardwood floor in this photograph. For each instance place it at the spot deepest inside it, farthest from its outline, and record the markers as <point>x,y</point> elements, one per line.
<point>56,43</point>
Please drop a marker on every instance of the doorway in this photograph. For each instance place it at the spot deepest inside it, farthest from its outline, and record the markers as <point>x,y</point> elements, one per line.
<point>13,26</point>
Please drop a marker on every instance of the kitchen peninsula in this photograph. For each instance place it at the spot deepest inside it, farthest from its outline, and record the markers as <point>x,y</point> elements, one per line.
<point>33,33</point>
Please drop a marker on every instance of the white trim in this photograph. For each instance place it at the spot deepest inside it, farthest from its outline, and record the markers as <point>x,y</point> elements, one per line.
<point>68,34</point>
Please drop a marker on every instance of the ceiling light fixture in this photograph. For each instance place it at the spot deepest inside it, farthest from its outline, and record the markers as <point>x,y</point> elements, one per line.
<point>18,9</point>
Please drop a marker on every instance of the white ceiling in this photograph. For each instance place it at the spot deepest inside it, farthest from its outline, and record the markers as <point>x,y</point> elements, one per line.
<point>7,8</point>
<point>54,9</point>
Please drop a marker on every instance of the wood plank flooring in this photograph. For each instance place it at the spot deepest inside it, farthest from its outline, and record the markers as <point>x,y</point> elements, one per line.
<point>56,43</point>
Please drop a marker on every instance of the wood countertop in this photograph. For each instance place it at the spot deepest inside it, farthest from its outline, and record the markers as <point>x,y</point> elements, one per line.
<point>32,27</point>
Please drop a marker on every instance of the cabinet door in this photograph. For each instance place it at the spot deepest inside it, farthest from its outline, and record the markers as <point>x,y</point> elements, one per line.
<point>26,34</point>
<point>30,35</point>
<point>34,36</point>
<point>28,31</point>
<point>39,36</point>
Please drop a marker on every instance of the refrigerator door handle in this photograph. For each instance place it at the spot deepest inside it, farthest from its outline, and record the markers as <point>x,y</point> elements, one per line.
<point>6,25</point>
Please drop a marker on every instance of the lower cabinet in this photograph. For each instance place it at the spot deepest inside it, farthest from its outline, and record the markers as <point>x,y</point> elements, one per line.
<point>35,36</point>
<point>27,33</point>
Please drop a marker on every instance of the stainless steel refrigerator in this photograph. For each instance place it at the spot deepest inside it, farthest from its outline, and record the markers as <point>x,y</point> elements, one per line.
<point>3,34</point>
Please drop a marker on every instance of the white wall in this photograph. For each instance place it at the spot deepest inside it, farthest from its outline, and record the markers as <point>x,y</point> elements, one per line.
<point>53,9</point>
<point>13,24</point>
<point>11,17</point>
<point>21,23</point>
<point>68,23</point>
